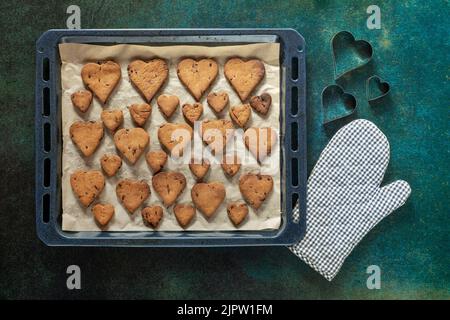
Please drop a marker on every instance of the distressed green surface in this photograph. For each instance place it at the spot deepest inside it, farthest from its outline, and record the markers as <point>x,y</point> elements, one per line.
<point>411,51</point>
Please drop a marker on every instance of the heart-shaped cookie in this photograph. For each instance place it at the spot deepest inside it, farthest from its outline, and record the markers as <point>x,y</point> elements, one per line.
<point>169,185</point>
<point>192,112</point>
<point>231,165</point>
<point>260,141</point>
<point>237,212</point>
<point>110,163</point>
<point>175,137</point>
<point>348,53</point>
<point>244,76</point>
<point>82,100</point>
<point>184,214</point>
<point>255,188</point>
<point>199,168</point>
<point>168,104</point>
<point>87,185</point>
<point>101,78</point>
<point>86,135</point>
<point>241,114</point>
<point>197,76</point>
<point>217,101</point>
<point>103,212</point>
<point>337,104</point>
<point>261,104</point>
<point>132,193</point>
<point>112,119</point>
<point>140,113</point>
<point>216,133</point>
<point>156,160</point>
<point>152,215</point>
<point>131,142</point>
<point>208,197</point>
<point>148,77</point>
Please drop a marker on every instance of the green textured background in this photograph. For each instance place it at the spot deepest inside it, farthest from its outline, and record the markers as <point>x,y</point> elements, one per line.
<point>411,246</point>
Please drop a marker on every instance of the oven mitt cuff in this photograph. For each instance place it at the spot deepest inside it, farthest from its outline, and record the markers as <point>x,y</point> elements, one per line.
<point>345,200</point>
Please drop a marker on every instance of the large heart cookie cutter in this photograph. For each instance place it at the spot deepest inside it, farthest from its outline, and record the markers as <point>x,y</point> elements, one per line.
<point>334,98</point>
<point>350,53</point>
<point>376,82</point>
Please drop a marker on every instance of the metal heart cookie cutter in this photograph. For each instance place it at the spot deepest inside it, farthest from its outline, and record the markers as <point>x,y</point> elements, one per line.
<point>376,88</point>
<point>334,99</point>
<point>349,53</point>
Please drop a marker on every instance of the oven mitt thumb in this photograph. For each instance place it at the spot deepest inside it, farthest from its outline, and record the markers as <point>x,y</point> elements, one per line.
<point>345,200</point>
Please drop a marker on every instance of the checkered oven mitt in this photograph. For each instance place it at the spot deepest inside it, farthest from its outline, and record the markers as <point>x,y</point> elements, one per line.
<point>345,200</point>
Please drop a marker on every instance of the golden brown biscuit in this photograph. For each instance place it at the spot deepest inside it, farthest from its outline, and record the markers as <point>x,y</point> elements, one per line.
<point>197,76</point>
<point>156,160</point>
<point>237,212</point>
<point>261,104</point>
<point>169,185</point>
<point>208,197</point>
<point>86,135</point>
<point>103,212</point>
<point>110,163</point>
<point>131,142</point>
<point>87,185</point>
<point>260,141</point>
<point>140,113</point>
<point>192,112</point>
<point>152,215</point>
<point>101,78</point>
<point>168,104</point>
<point>216,133</point>
<point>231,165</point>
<point>241,114</point>
<point>148,77</point>
<point>199,168</point>
<point>255,188</point>
<point>132,193</point>
<point>112,119</point>
<point>217,101</point>
<point>175,137</point>
<point>244,76</point>
<point>82,100</point>
<point>184,214</point>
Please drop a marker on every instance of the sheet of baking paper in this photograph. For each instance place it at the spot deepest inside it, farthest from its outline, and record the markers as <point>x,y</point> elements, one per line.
<point>74,56</point>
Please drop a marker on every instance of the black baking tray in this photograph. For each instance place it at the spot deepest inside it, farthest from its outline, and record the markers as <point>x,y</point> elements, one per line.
<point>49,137</point>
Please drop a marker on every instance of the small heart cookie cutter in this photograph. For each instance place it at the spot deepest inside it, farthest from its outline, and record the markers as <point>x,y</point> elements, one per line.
<point>363,50</point>
<point>383,87</point>
<point>348,100</point>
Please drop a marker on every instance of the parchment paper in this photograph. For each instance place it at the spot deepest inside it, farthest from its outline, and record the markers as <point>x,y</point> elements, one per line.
<point>74,56</point>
